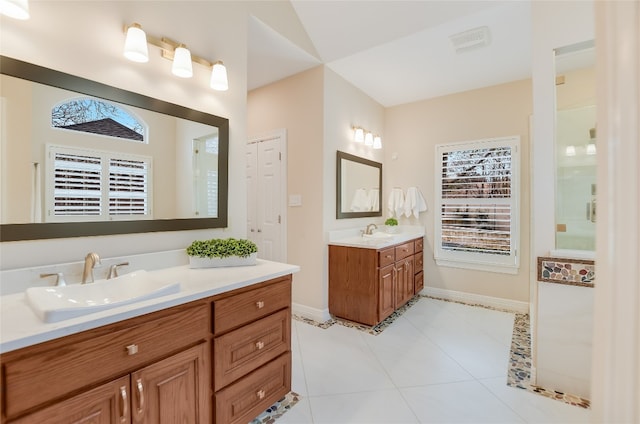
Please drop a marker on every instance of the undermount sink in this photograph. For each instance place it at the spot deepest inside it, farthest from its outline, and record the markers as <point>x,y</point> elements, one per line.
<point>52,304</point>
<point>378,235</point>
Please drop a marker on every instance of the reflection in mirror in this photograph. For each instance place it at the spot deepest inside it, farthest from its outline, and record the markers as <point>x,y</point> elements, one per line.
<point>358,187</point>
<point>575,147</point>
<point>81,158</point>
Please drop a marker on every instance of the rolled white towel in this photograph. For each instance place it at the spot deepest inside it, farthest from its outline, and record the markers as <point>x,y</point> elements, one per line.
<point>396,202</point>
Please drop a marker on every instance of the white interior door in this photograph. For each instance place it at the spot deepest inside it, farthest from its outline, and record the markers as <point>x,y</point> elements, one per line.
<point>265,189</point>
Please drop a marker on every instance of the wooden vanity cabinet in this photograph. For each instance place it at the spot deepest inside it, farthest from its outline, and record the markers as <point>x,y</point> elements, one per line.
<point>368,285</point>
<point>224,359</point>
<point>127,372</point>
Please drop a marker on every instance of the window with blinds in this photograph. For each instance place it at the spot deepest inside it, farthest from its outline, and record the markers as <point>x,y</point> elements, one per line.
<point>96,185</point>
<point>476,192</point>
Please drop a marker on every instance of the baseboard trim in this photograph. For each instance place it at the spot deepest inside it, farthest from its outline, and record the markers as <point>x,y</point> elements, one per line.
<point>318,315</point>
<point>472,298</point>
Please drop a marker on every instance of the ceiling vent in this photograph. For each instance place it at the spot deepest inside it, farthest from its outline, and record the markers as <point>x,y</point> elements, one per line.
<point>471,39</point>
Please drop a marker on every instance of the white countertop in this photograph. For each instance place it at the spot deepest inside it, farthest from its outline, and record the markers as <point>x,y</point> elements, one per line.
<point>375,243</point>
<point>20,327</point>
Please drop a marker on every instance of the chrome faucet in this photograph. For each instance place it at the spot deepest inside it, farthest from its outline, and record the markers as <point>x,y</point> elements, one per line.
<point>369,230</point>
<point>90,261</point>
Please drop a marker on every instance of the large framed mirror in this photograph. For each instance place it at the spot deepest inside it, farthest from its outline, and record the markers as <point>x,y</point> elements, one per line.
<point>358,187</point>
<point>167,170</point>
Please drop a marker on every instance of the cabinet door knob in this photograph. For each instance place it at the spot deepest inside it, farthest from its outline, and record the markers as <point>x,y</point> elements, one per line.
<point>132,349</point>
<point>260,304</point>
<point>259,345</point>
<point>260,394</point>
<point>124,404</point>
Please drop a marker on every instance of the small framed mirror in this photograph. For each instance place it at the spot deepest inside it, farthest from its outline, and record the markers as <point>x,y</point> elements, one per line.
<point>358,187</point>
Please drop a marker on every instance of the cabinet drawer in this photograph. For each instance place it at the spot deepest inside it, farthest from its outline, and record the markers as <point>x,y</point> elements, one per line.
<point>241,351</point>
<point>244,400</point>
<point>239,309</point>
<point>418,262</point>
<point>86,360</point>
<point>386,257</point>
<point>419,245</point>
<point>404,250</point>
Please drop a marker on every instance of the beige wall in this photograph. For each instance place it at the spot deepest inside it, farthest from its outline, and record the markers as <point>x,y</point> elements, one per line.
<point>413,130</point>
<point>296,104</point>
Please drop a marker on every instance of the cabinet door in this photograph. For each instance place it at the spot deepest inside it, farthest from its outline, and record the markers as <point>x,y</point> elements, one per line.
<point>106,404</point>
<point>173,390</point>
<point>404,281</point>
<point>386,301</point>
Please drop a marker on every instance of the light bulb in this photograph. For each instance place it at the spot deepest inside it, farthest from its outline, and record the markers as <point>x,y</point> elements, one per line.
<point>368,139</point>
<point>591,149</point>
<point>377,142</point>
<point>219,77</point>
<point>358,135</point>
<point>182,66</point>
<point>570,151</point>
<point>135,45</point>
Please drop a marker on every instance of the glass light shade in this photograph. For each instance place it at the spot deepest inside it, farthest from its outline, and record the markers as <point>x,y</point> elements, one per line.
<point>219,80</point>
<point>358,135</point>
<point>377,142</point>
<point>591,149</point>
<point>135,45</point>
<point>368,139</point>
<point>182,66</point>
<point>570,151</point>
<point>17,9</point>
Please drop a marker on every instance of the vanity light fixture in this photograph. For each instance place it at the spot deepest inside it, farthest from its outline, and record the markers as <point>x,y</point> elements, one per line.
<point>591,149</point>
<point>377,142</point>
<point>358,135</point>
<point>570,151</point>
<point>368,139</point>
<point>135,49</point>
<point>17,9</point>
<point>182,62</point>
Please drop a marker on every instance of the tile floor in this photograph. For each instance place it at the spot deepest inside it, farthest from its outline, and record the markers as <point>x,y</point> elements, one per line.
<point>440,362</point>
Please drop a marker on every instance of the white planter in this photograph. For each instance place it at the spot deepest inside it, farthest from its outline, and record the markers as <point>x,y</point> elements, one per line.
<point>392,229</point>
<point>197,262</point>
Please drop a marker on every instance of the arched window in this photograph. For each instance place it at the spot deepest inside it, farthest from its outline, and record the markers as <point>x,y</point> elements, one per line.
<point>99,117</point>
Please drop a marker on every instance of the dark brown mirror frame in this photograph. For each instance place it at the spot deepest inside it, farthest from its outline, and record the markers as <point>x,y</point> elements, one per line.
<point>38,231</point>
<point>346,156</point>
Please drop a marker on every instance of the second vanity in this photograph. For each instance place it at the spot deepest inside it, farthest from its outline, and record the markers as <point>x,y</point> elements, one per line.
<point>370,278</point>
<point>218,351</point>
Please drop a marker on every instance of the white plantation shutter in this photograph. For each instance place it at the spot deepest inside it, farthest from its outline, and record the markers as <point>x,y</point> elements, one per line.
<point>128,183</point>
<point>96,185</point>
<point>476,192</point>
<point>212,192</point>
<point>77,185</point>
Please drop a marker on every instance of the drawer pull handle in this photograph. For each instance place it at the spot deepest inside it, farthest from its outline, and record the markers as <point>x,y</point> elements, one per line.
<point>259,345</point>
<point>260,304</point>
<point>124,406</point>
<point>132,349</point>
<point>260,394</point>
<point>140,395</point>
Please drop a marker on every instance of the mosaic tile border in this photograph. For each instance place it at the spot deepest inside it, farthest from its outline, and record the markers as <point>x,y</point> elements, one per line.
<point>574,272</point>
<point>373,330</point>
<point>278,409</point>
<point>519,373</point>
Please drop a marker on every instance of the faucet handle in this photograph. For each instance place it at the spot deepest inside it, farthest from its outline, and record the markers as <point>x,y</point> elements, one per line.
<point>113,270</point>
<point>60,281</point>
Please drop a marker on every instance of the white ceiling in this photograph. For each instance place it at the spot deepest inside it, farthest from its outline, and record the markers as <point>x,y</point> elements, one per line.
<point>399,51</point>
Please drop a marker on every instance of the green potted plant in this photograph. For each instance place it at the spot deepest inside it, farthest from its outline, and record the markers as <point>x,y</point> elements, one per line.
<point>222,252</point>
<point>392,225</point>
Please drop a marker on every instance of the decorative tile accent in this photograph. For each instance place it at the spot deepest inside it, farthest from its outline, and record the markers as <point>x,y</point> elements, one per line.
<point>519,373</point>
<point>575,272</point>
<point>375,330</point>
<point>277,410</point>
